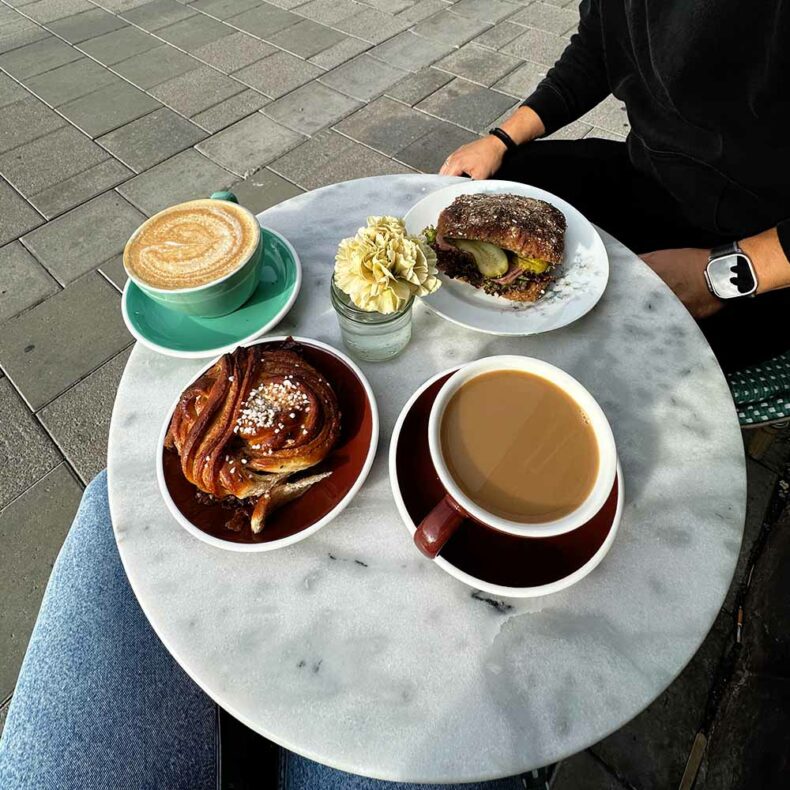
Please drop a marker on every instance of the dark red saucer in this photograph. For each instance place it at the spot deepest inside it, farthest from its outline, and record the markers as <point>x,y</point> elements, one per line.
<point>487,557</point>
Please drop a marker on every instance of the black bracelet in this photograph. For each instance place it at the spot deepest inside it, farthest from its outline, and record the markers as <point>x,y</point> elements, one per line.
<point>502,135</point>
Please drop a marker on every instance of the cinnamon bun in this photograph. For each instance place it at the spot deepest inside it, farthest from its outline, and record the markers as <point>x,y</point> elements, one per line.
<point>250,422</point>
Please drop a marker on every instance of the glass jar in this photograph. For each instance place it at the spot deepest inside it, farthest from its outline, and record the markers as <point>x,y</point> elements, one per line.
<point>372,337</point>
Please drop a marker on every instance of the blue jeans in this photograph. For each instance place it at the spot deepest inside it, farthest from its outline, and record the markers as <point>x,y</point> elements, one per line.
<point>101,704</point>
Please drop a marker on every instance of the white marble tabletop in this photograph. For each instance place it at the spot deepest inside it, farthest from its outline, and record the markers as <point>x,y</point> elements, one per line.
<point>354,650</point>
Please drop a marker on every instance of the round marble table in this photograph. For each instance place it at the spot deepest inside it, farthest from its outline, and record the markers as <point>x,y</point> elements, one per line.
<point>354,650</point>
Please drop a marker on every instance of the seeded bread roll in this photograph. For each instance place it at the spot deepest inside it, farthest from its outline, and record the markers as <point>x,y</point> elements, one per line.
<point>525,226</point>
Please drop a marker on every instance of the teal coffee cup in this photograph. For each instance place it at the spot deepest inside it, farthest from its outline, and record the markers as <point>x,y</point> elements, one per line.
<point>202,257</point>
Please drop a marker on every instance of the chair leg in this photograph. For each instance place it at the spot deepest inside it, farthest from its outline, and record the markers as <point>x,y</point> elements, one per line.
<point>761,439</point>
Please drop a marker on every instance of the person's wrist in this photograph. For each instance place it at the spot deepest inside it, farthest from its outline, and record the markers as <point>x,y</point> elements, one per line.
<point>496,144</point>
<point>768,259</point>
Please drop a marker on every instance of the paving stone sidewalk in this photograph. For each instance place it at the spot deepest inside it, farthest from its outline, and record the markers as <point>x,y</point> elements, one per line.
<point>111,110</point>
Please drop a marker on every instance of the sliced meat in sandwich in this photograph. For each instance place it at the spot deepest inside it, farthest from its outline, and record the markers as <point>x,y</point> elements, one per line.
<point>507,245</point>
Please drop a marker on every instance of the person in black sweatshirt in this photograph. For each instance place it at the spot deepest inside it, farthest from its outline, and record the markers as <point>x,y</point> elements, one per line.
<point>706,163</point>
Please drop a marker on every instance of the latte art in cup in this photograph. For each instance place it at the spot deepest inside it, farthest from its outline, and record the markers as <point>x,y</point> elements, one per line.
<point>191,245</point>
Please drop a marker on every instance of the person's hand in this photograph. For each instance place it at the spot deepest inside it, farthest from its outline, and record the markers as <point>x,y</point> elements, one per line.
<point>479,159</point>
<point>683,271</point>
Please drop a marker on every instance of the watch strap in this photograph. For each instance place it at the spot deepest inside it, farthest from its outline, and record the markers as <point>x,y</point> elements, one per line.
<point>504,137</point>
<point>725,249</point>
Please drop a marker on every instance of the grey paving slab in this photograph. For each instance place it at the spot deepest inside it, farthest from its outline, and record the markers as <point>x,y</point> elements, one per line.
<point>234,52</point>
<point>119,45</point>
<point>19,33</point>
<point>32,530</point>
<point>760,482</point>
<point>372,25</point>
<point>537,45</point>
<point>79,419</point>
<point>749,746</point>
<point>23,281</point>
<point>306,38</point>
<point>410,52</point>
<point>249,144</point>
<point>390,6</point>
<point>573,131</point>
<point>157,14</point>
<point>226,113</point>
<point>341,52</point>
<point>330,157</point>
<point>197,90</point>
<point>84,238</point>
<point>10,90</point>
<point>605,134</point>
<point>16,214</point>
<point>548,17</point>
<point>668,726</point>
<point>88,24</point>
<point>387,125</point>
<point>186,176</point>
<point>147,69</point>
<point>55,344</point>
<point>413,88</point>
<point>584,772</point>
<point>450,28</point>
<point>478,64</point>
<point>429,152</point>
<point>363,78</point>
<point>467,104</point>
<point>610,115</point>
<point>151,139</point>
<point>38,57</point>
<point>108,108</point>
<point>328,12</point>
<point>263,20</point>
<point>263,189</point>
<point>73,191</point>
<point>114,272</point>
<point>71,81</point>
<point>286,4</point>
<point>222,9</point>
<point>496,37</point>
<point>485,10</point>
<point>26,452</point>
<point>4,714</point>
<point>25,120</point>
<point>421,10</point>
<point>49,10</point>
<point>117,6</point>
<point>523,80</point>
<point>194,31</point>
<point>278,74</point>
<point>311,107</point>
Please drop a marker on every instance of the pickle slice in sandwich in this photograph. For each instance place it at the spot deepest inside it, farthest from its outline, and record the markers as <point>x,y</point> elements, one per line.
<point>533,265</point>
<point>491,261</point>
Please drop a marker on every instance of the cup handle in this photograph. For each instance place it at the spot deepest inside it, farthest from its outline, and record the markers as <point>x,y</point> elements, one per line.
<point>224,195</point>
<point>438,526</point>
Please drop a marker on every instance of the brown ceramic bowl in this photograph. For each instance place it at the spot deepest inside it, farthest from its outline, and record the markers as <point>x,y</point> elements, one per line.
<point>349,462</point>
<point>486,559</point>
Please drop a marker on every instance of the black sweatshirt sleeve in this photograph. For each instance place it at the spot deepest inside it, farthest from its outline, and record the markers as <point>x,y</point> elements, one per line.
<point>578,80</point>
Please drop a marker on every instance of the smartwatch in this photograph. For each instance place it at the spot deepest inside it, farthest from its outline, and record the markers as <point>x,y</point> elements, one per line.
<point>730,273</point>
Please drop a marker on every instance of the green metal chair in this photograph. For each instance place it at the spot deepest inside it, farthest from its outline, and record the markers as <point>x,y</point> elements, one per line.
<point>762,399</point>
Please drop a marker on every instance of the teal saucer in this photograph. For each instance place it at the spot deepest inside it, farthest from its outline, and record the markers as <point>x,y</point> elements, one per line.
<point>179,335</point>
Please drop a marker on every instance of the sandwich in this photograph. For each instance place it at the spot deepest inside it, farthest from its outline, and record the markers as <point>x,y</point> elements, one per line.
<point>506,245</point>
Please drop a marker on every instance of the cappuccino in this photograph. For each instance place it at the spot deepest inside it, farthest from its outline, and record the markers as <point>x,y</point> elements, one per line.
<point>191,245</point>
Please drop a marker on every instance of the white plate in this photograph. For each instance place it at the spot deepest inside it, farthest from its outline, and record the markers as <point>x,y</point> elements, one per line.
<point>307,531</point>
<point>580,283</point>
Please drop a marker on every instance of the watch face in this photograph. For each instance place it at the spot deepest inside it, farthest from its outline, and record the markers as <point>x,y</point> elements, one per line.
<point>731,276</point>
